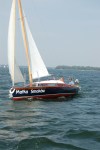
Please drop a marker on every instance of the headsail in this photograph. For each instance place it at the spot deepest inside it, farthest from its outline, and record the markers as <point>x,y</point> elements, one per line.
<point>38,67</point>
<point>14,70</point>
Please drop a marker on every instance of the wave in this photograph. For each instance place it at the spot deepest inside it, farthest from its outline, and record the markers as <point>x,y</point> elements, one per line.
<point>44,143</point>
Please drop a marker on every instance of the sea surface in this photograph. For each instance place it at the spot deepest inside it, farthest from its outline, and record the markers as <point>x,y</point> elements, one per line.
<point>70,124</point>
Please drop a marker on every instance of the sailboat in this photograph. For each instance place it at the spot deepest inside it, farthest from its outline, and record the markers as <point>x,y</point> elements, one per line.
<point>46,89</point>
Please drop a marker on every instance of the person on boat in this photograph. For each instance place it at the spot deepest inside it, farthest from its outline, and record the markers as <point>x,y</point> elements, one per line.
<point>76,82</point>
<point>71,82</point>
<point>61,79</point>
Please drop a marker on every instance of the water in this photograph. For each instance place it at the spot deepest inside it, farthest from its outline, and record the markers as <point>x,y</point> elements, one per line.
<point>73,124</point>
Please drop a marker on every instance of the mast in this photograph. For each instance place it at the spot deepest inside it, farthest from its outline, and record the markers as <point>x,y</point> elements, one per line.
<point>25,40</point>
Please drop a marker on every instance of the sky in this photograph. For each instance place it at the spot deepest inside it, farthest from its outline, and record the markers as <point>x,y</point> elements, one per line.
<point>66,32</point>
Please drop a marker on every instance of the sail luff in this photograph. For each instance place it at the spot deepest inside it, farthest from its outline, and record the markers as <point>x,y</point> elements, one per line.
<point>14,40</point>
<point>25,40</point>
<point>11,47</point>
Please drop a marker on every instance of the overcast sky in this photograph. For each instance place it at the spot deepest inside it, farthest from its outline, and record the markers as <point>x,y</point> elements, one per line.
<point>67,32</point>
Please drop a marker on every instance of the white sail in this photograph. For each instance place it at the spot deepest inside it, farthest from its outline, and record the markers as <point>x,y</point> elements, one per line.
<point>37,65</point>
<point>14,70</point>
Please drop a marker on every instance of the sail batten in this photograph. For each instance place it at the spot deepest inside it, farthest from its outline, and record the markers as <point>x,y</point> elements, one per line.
<point>14,69</point>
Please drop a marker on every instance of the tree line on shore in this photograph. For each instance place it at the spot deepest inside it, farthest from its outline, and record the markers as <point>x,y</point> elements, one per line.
<point>77,67</point>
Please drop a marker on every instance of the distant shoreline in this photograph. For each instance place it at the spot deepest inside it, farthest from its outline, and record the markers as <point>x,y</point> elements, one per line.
<point>77,67</point>
<point>66,67</point>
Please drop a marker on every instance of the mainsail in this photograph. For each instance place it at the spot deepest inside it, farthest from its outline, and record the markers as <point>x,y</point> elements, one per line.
<point>14,70</point>
<point>37,65</point>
